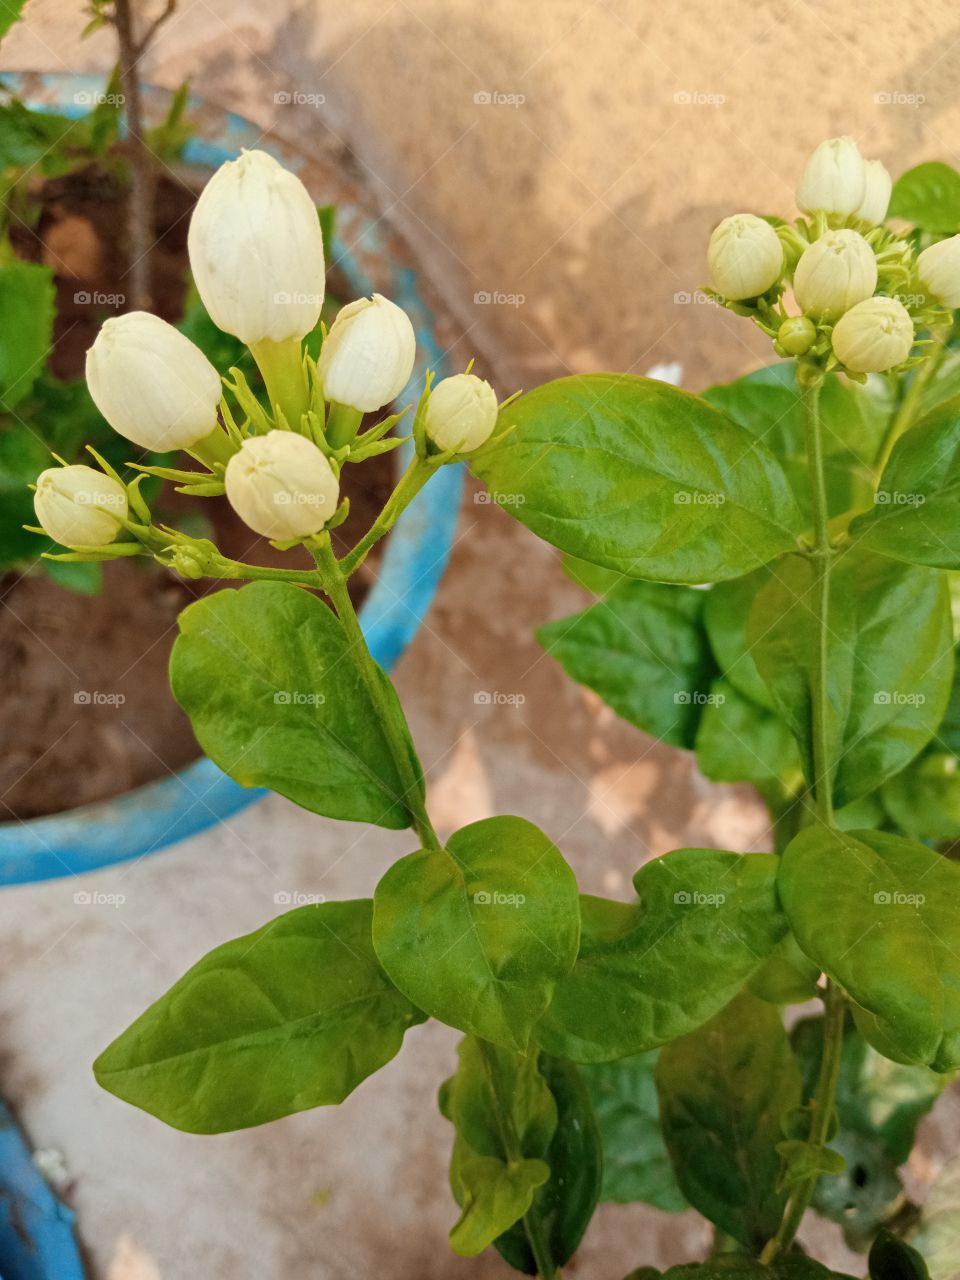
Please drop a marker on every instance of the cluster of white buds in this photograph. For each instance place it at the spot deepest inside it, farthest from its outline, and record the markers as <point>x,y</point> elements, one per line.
<point>862,289</point>
<point>256,251</point>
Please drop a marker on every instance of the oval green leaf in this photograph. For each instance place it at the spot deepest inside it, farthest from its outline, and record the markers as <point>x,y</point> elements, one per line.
<point>482,930</point>
<point>639,477</point>
<point>292,1016</point>
<point>277,700</point>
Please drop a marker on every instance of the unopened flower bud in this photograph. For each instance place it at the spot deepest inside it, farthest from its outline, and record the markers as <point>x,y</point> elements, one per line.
<point>873,336</point>
<point>282,486</point>
<point>939,270</point>
<point>876,197</point>
<point>151,383</point>
<point>79,506</point>
<point>367,357</point>
<point>745,257</point>
<point>461,413</point>
<point>797,335</point>
<point>835,179</point>
<point>256,251</point>
<point>834,273</point>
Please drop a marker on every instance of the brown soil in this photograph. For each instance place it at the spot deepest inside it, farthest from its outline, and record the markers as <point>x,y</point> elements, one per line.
<point>87,712</point>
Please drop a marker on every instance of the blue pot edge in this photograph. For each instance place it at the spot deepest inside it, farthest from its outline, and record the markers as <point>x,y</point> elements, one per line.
<point>162,813</point>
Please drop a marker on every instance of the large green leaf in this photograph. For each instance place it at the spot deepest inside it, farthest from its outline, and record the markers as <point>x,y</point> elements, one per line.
<point>635,1161</point>
<point>26,327</point>
<point>292,1016</point>
<point>725,614</point>
<point>853,420</point>
<point>731,1266</point>
<point>564,1205</point>
<point>924,799</point>
<point>479,933</point>
<point>878,913</point>
<point>654,970</point>
<point>639,477</point>
<point>277,700</point>
<point>916,514</point>
<point>505,1117</point>
<point>644,650</point>
<point>740,741</point>
<point>723,1092</point>
<point>10,12</point>
<point>928,195</point>
<point>889,656</point>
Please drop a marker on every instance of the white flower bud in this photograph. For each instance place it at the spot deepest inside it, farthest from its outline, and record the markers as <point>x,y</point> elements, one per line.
<point>151,383</point>
<point>834,273</point>
<point>461,413</point>
<point>256,251</point>
<point>745,256</point>
<point>873,336</point>
<point>282,486</point>
<point>876,197</point>
<point>78,506</point>
<point>367,357</point>
<point>939,270</point>
<point>835,179</point>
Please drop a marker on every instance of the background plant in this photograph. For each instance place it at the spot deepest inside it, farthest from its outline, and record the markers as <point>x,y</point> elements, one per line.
<point>821,659</point>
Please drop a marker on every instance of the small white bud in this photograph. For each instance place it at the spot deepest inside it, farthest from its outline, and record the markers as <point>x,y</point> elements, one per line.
<point>834,273</point>
<point>938,268</point>
<point>745,257</point>
<point>367,357</point>
<point>461,413</point>
<point>79,506</point>
<point>256,251</point>
<point>282,486</point>
<point>151,383</point>
<point>835,179</point>
<point>876,197</point>
<point>873,336</point>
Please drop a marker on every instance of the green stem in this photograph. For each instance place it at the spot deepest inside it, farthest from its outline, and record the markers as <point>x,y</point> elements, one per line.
<point>343,422</point>
<point>823,1103</point>
<point>822,556</point>
<point>510,1141</point>
<point>335,584</point>
<point>281,364</point>
<point>213,448</point>
<point>909,408</point>
<point>411,482</point>
<point>834,999</point>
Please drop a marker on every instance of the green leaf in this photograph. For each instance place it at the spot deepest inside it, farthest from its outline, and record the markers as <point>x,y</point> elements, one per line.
<point>645,652</point>
<point>893,1259</point>
<point>84,577</point>
<point>276,700</point>
<point>505,1118</point>
<point>292,1016</point>
<point>725,614</point>
<point>893,938</point>
<point>636,1166</point>
<point>564,1205</point>
<point>591,577</point>
<point>479,933</point>
<point>26,334</point>
<point>723,1091</point>
<point>10,12</point>
<point>654,970</point>
<point>928,195</point>
<point>937,1234</point>
<point>634,475</point>
<point>787,976</point>
<point>739,741</point>
<point>889,657</point>
<point>924,799</point>
<point>916,516</point>
<point>853,421</point>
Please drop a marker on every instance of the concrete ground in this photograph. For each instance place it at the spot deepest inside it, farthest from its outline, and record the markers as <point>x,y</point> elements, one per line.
<point>557,169</point>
